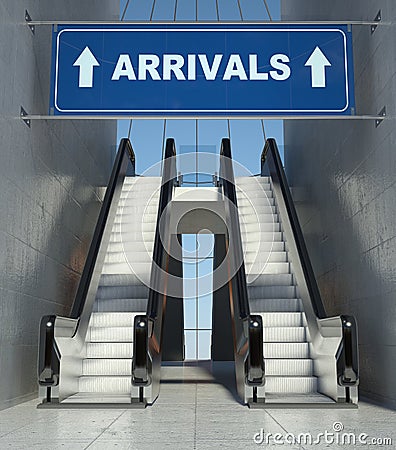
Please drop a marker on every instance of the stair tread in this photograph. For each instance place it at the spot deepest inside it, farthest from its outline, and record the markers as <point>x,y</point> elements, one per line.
<point>124,377</point>
<point>313,397</point>
<point>97,397</point>
<point>291,376</point>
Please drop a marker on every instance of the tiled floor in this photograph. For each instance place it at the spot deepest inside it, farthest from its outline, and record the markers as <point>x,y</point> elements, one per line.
<point>194,411</point>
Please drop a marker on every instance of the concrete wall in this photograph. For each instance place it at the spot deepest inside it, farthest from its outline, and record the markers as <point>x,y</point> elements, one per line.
<point>50,179</point>
<point>343,174</point>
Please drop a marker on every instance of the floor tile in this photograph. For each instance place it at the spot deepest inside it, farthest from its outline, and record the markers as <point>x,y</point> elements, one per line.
<point>187,415</point>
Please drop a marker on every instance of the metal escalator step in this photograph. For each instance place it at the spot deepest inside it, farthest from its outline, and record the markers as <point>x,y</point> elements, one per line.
<point>138,247</point>
<point>110,334</point>
<point>253,183</point>
<point>282,319</point>
<point>139,185</point>
<point>109,350</point>
<point>140,198</point>
<point>121,305</point>
<point>264,279</point>
<point>117,257</point>
<point>139,257</point>
<point>274,268</point>
<point>124,268</point>
<point>103,384</point>
<point>266,248</point>
<point>132,291</point>
<point>256,201</point>
<point>147,218</point>
<point>275,305</point>
<point>252,192</point>
<point>270,279</point>
<point>263,292</point>
<point>132,237</point>
<point>270,257</point>
<point>134,189</point>
<point>133,226</point>
<point>141,262</point>
<point>292,350</point>
<point>295,385</point>
<point>263,236</point>
<point>140,201</point>
<point>93,367</point>
<point>254,216</point>
<point>251,180</point>
<point>142,179</point>
<point>113,319</point>
<point>133,208</point>
<point>263,209</point>
<point>285,334</point>
<point>254,227</point>
<point>149,214</point>
<point>119,279</point>
<point>291,367</point>
<point>134,279</point>
<point>100,398</point>
<point>256,197</point>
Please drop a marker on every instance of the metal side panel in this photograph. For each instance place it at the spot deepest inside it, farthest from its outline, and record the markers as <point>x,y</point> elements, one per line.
<point>72,349</point>
<point>326,334</point>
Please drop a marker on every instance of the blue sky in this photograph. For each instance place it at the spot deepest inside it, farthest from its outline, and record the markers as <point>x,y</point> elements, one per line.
<point>246,135</point>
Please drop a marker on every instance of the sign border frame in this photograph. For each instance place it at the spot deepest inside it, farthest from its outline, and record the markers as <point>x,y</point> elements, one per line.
<point>189,112</point>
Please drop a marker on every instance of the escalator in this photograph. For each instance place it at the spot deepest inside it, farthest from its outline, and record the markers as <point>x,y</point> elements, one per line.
<point>310,359</point>
<point>268,316</point>
<point>109,350</point>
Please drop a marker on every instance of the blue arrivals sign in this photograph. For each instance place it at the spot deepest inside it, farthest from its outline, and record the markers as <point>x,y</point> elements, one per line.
<point>200,70</point>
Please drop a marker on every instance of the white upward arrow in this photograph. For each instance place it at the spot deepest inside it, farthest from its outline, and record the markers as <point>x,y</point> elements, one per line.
<point>86,61</point>
<point>318,63</point>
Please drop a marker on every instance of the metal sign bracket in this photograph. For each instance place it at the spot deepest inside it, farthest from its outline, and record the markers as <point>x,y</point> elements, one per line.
<point>28,19</point>
<point>378,19</point>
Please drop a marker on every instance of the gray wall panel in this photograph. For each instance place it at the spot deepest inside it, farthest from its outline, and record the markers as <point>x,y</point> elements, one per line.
<point>51,185</point>
<point>344,173</point>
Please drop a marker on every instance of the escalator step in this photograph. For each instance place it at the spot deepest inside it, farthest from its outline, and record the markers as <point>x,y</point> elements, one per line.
<point>295,385</point>
<point>94,367</point>
<point>285,334</point>
<point>292,350</point>
<point>121,304</point>
<point>110,334</point>
<point>105,384</point>
<point>113,319</point>
<point>291,367</point>
<point>282,319</point>
<point>275,305</point>
<point>262,292</point>
<point>109,350</point>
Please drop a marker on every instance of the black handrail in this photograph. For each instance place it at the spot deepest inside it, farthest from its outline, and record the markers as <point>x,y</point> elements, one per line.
<point>148,329</point>
<point>125,155</point>
<point>48,357</point>
<point>227,180</point>
<point>169,177</point>
<point>255,363</point>
<point>248,330</point>
<point>347,357</point>
<point>271,157</point>
<point>140,361</point>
